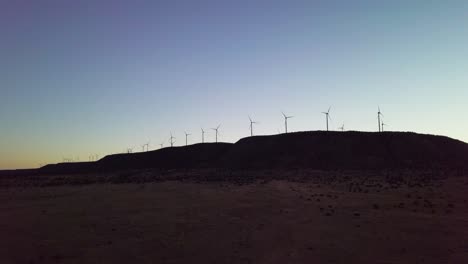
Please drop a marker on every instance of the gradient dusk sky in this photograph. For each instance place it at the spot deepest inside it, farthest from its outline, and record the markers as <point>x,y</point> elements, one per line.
<point>98,76</point>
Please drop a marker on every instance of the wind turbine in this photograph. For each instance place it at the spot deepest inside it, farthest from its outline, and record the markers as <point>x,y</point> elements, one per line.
<point>202,135</point>
<point>161,144</point>
<point>251,126</point>
<point>378,117</point>
<point>286,122</point>
<point>216,129</point>
<point>147,146</point>
<point>186,136</point>
<point>341,128</point>
<point>171,140</point>
<point>383,124</point>
<point>327,116</point>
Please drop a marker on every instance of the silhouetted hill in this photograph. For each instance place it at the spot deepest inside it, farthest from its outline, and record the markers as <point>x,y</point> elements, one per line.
<point>316,149</point>
<point>193,156</point>
<point>348,150</point>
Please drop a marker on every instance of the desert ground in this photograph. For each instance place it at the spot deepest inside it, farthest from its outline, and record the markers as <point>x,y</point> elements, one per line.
<point>277,217</point>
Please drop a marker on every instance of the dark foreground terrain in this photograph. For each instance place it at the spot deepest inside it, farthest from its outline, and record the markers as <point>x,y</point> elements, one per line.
<point>221,216</point>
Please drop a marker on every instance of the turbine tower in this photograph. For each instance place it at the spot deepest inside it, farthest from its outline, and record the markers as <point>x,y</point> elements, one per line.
<point>286,122</point>
<point>216,129</point>
<point>251,126</point>
<point>186,136</point>
<point>202,135</point>
<point>147,145</point>
<point>327,116</point>
<point>383,124</point>
<point>171,140</point>
<point>341,128</point>
<point>378,118</point>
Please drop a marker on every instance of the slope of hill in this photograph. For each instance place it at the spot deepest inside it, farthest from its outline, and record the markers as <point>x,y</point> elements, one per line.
<point>315,149</point>
<point>193,156</point>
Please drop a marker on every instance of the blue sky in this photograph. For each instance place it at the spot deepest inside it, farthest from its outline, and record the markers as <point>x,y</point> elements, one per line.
<point>96,77</point>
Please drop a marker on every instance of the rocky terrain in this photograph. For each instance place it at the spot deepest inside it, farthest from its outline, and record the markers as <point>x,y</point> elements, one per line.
<point>257,216</point>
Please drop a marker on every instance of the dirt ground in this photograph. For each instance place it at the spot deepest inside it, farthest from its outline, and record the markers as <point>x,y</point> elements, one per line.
<point>275,221</point>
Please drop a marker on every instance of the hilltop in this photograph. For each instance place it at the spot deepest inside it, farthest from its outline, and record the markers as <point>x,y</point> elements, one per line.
<point>348,150</point>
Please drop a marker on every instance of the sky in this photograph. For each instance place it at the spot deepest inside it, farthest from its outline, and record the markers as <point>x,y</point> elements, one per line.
<point>79,78</point>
